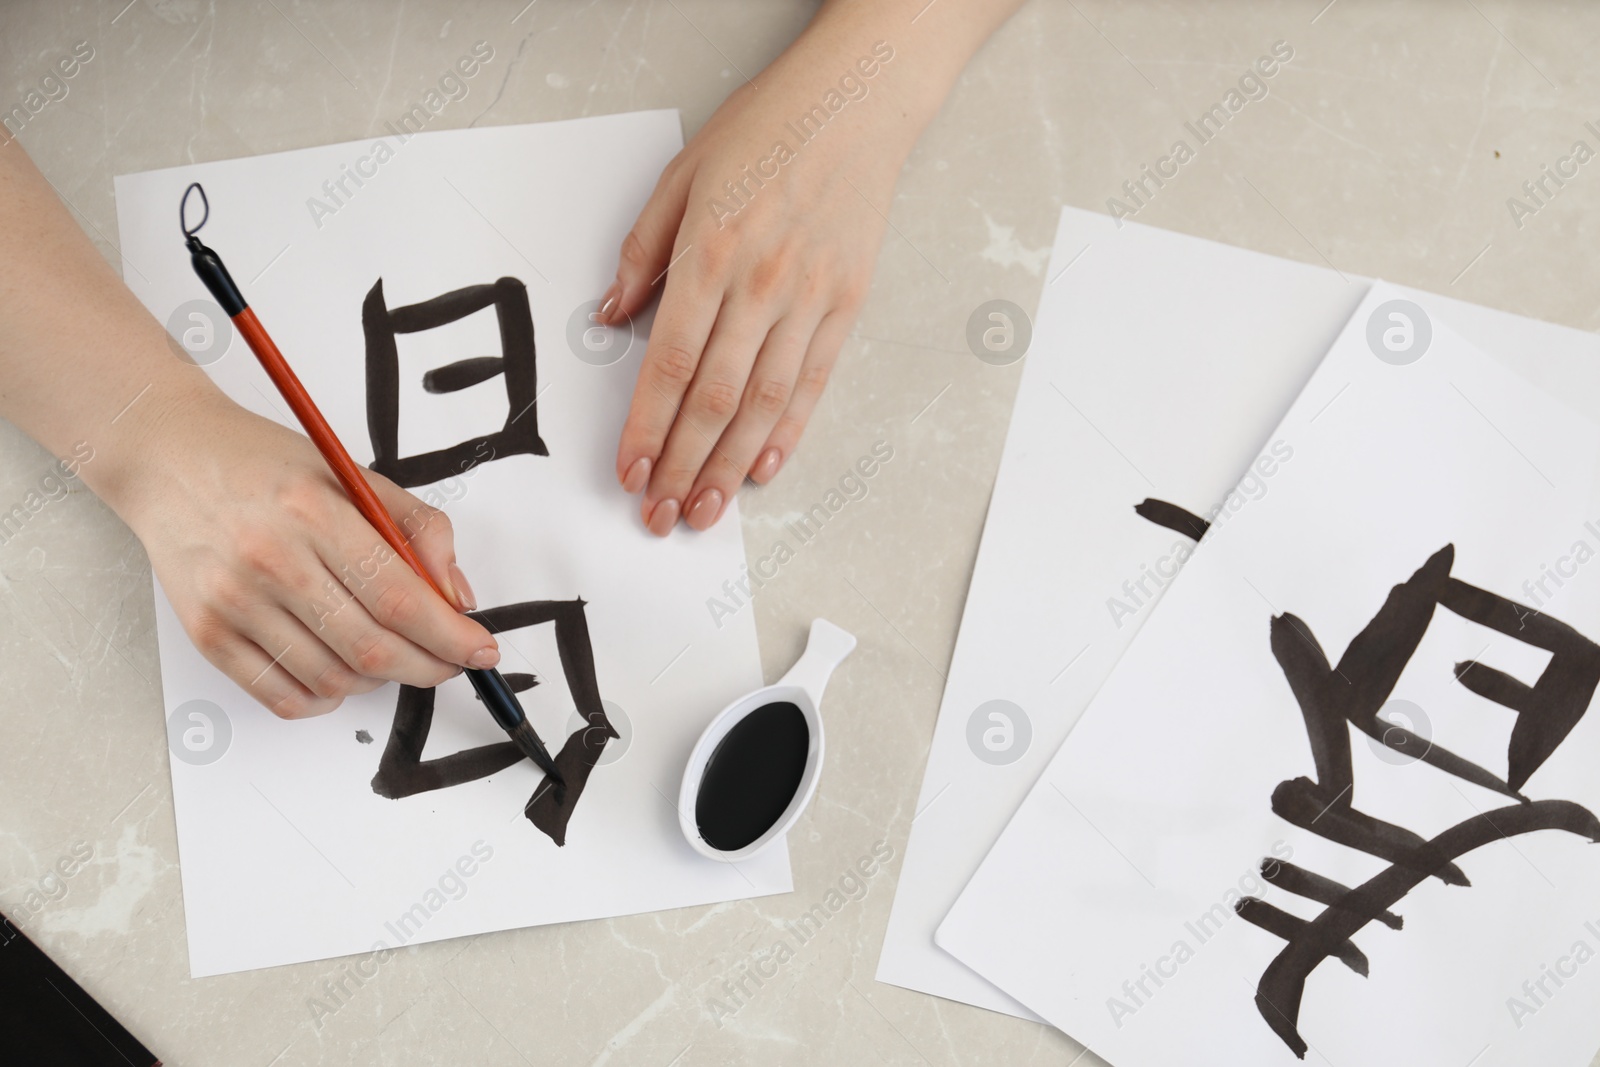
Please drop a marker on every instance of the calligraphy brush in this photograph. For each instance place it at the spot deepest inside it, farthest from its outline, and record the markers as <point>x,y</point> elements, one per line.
<point>493,690</point>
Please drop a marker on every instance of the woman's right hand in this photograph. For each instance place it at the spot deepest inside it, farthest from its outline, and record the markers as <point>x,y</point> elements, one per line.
<point>279,580</point>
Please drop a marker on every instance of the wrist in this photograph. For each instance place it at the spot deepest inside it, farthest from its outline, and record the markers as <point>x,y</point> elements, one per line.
<point>914,63</point>
<point>836,95</point>
<point>140,460</point>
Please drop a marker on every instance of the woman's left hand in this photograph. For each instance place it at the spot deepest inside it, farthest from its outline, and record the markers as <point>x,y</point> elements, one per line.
<point>767,254</point>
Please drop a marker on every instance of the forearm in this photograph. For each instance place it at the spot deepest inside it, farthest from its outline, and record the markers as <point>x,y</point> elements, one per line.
<point>81,361</point>
<point>931,43</point>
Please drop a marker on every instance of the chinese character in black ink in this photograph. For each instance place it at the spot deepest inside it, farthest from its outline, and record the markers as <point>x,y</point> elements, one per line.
<point>515,363</point>
<point>403,772</point>
<point>1333,698</point>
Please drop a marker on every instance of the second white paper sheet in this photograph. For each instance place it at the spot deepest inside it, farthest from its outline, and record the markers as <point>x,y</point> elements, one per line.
<point>1221,762</point>
<point>288,853</point>
<point>1159,367</point>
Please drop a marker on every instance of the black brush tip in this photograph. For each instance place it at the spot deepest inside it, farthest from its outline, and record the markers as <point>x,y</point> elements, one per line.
<point>528,741</point>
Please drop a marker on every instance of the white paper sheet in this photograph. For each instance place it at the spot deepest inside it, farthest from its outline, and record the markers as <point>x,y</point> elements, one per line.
<point>1107,903</point>
<point>287,853</point>
<point>1178,356</point>
<point>1159,364</point>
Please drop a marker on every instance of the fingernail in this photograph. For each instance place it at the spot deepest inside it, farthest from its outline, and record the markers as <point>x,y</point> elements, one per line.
<point>663,518</point>
<point>609,301</point>
<point>463,589</point>
<point>484,658</point>
<point>705,509</point>
<point>766,466</point>
<point>638,475</point>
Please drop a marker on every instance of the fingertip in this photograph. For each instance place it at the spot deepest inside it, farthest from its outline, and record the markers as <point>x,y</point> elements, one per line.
<point>610,304</point>
<point>463,589</point>
<point>637,476</point>
<point>705,510</point>
<point>479,640</point>
<point>662,518</point>
<point>766,467</point>
<point>632,298</point>
<point>302,706</point>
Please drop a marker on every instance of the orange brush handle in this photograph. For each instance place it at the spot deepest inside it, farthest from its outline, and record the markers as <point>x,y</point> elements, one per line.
<point>322,435</point>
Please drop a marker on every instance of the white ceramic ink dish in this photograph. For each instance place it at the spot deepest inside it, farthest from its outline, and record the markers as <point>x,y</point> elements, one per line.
<point>802,686</point>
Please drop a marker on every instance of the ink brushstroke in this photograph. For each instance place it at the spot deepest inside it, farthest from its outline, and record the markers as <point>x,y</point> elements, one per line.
<point>402,772</point>
<point>1177,519</point>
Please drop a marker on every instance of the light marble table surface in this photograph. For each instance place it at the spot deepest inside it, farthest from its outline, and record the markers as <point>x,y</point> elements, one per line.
<point>1388,148</point>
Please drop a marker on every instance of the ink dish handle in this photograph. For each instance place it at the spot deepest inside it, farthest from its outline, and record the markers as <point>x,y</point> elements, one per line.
<point>826,648</point>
